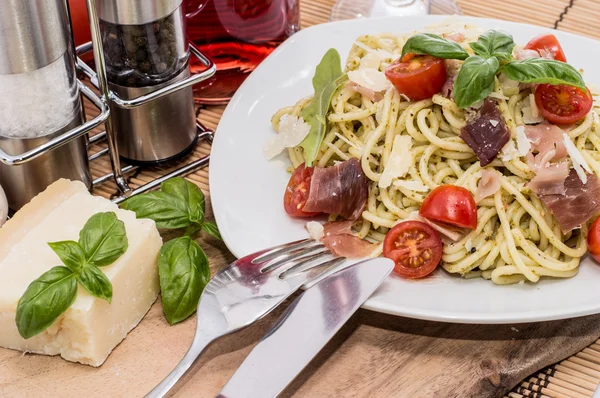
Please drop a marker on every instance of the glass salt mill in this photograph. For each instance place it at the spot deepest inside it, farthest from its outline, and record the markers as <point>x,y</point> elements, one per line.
<point>146,50</point>
<point>39,97</point>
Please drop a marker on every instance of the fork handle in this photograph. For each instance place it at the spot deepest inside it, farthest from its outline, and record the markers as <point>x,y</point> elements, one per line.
<point>198,346</point>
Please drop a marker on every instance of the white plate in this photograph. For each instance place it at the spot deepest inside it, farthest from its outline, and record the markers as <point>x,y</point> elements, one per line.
<point>247,190</point>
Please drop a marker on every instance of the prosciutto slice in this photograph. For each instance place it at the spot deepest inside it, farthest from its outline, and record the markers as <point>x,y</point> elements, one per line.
<point>488,185</point>
<point>341,189</point>
<point>579,203</point>
<point>339,240</point>
<point>546,137</point>
<point>487,133</point>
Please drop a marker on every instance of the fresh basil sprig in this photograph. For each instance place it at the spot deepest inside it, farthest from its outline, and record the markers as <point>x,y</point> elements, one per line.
<point>182,265</point>
<point>184,272</point>
<point>494,43</point>
<point>327,78</point>
<point>540,70</point>
<point>432,44</point>
<point>475,80</point>
<point>102,241</point>
<point>493,53</point>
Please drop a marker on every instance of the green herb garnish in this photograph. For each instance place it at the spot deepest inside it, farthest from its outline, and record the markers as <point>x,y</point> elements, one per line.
<point>540,70</point>
<point>475,80</point>
<point>101,242</point>
<point>325,82</point>
<point>184,272</point>
<point>182,265</point>
<point>429,43</point>
<point>493,54</point>
<point>494,43</point>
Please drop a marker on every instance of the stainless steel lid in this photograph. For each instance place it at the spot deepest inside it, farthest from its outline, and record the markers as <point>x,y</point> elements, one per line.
<point>135,12</point>
<point>33,34</point>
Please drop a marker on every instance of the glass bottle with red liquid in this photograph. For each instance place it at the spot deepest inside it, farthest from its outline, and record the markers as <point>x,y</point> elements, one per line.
<point>236,35</point>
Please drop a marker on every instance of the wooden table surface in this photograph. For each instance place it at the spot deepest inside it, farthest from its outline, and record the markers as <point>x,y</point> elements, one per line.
<point>374,355</point>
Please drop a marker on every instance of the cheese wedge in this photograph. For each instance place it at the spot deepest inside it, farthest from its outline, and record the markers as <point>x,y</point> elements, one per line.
<point>91,328</point>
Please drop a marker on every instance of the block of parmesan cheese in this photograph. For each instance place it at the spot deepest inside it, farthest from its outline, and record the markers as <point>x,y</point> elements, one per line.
<point>91,328</point>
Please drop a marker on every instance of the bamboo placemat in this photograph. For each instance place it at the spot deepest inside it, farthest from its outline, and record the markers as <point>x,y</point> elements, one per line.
<point>574,377</point>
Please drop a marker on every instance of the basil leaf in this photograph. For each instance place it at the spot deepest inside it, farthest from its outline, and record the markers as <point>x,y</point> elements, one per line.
<point>475,80</point>
<point>189,193</point>
<point>211,229</point>
<point>494,43</point>
<point>184,272</point>
<point>428,43</point>
<point>540,70</point>
<point>45,299</point>
<point>70,253</point>
<point>95,282</point>
<point>103,239</point>
<point>315,113</point>
<point>168,211</point>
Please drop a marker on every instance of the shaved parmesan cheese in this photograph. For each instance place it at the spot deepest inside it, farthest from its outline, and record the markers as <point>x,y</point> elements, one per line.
<point>509,151</point>
<point>534,109</point>
<point>374,58</point>
<point>579,162</point>
<point>469,245</point>
<point>531,113</point>
<point>528,117</point>
<point>292,131</point>
<point>494,122</point>
<point>315,230</point>
<point>379,52</point>
<point>497,95</point>
<point>509,87</point>
<point>401,158</point>
<point>523,143</point>
<point>412,185</point>
<point>370,78</point>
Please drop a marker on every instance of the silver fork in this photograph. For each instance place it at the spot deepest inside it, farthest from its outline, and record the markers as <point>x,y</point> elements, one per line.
<point>246,291</point>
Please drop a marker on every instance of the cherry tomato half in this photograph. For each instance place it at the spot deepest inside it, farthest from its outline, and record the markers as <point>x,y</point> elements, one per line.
<point>297,191</point>
<point>451,205</point>
<point>593,240</point>
<point>415,248</point>
<point>420,77</point>
<point>548,43</point>
<point>561,104</point>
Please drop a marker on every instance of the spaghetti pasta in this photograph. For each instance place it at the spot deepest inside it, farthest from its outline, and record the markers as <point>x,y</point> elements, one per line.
<point>516,238</point>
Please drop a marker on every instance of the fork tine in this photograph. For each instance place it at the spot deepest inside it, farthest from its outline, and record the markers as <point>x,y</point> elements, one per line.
<point>305,263</point>
<point>293,255</point>
<point>278,250</point>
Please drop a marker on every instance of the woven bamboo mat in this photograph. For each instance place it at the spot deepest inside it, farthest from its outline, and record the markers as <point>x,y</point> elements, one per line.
<point>575,377</point>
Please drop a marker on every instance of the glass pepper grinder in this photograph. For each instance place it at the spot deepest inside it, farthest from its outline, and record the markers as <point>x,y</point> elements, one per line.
<point>146,49</point>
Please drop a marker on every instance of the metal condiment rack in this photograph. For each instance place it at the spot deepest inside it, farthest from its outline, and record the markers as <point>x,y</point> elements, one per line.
<point>99,80</point>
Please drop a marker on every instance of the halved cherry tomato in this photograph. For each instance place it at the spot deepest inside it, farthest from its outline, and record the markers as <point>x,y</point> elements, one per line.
<point>561,104</point>
<point>593,239</point>
<point>451,205</point>
<point>548,43</point>
<point>415,248</point>
<point>297,191</point>
<point>419,77</point>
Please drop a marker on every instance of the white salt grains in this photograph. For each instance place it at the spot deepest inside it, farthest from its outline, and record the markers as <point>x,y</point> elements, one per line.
<point>37,103</point>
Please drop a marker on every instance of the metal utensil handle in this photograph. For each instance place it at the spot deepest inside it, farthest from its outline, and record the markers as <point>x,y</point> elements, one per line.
<point>196,349</point>
<point>144,99</point>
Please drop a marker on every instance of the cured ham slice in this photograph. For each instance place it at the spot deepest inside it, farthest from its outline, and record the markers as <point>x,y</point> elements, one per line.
<point>488,185</point>
<point>339,239</point>
<point>341,189</point>
<point>522,54</point>
<point>546,137</point>
<point>487,133</point>
<point>550,179</point>
<point>578,204</point>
